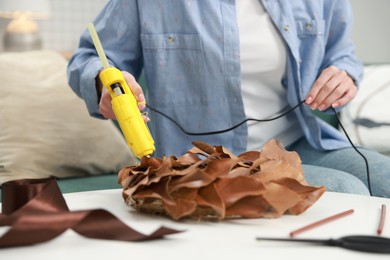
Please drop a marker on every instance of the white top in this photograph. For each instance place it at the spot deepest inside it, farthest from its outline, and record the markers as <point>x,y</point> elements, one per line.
<point>228,240</point>
<point>263,63</point>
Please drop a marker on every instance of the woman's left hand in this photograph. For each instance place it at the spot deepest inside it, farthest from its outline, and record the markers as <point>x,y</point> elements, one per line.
<point>334,87</point>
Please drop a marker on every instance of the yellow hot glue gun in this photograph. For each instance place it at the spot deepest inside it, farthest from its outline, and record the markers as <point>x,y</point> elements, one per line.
<point>124,104</point>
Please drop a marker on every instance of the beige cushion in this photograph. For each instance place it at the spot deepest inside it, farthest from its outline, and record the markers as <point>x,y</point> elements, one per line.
<point>45,129</point>
<point>367,117</point>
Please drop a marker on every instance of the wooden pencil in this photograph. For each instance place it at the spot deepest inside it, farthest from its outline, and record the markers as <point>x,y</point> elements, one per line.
<point>382,220</point>
<point>321,222</point>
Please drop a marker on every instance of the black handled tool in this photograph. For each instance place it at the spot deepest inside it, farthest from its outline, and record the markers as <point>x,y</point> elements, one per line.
<point>373,244</point>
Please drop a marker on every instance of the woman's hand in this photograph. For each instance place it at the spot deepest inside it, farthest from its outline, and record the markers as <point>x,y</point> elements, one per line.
<point>334,87</point>
<point>105,107</point>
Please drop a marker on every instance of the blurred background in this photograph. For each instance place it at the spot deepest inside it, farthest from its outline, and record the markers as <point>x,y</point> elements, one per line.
<point>62,28</point>
<point>67,19</point>
<point>57,25</point>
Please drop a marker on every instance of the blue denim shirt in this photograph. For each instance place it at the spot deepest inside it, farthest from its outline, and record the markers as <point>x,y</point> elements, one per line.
<point>189,52</point>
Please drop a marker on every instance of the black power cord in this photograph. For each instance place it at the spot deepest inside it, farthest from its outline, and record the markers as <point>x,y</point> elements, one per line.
<point>266,120</point>
<point>354,147</point>
<point>223,130</point>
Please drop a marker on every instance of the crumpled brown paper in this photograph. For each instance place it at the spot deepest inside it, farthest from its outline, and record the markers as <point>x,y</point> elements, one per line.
<point>210,182</point>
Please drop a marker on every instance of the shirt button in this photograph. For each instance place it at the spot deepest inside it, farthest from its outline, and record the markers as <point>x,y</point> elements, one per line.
<point>170,39</point>
<point>308,26</point>
<point>286,28</point>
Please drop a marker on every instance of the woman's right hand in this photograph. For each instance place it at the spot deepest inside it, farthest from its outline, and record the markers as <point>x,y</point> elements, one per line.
<point>105,107</point>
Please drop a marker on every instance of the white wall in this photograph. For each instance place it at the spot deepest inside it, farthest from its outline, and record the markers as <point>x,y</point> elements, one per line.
<point>68,19</point>
<point>371,31</point>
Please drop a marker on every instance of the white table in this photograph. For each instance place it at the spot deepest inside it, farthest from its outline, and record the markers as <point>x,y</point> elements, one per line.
<point>233,239</point>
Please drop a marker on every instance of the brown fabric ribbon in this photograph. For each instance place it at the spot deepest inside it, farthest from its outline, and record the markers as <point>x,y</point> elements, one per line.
<point>37,212</point>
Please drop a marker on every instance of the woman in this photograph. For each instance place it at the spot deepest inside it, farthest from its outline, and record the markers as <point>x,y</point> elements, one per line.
<point>211,64</point>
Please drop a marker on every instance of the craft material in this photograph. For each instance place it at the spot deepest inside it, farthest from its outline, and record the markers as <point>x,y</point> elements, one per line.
<point>210,182</point>
<point>382,220</point>
<point>321,222</point>
<point>36,212</point>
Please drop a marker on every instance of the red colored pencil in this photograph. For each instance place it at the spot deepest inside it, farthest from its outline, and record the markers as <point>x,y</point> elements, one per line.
<point>382,220</point>
<point>320,222</point>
